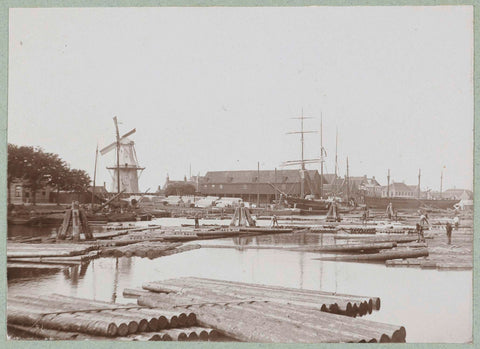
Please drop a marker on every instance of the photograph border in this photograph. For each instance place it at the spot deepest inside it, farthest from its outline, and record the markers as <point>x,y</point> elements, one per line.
<point>5,5</point>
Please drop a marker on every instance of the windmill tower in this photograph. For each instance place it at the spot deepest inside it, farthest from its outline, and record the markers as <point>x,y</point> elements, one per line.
<point>125,171</point>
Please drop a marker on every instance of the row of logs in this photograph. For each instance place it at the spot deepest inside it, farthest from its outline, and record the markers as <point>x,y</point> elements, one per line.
<point>69,314</point>
<point>209,290</point>
<point>150,250</point>
<point>194,333</point>
<point>265,321</point>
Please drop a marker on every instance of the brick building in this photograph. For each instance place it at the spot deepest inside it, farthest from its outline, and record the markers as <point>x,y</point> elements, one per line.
<point>248,184</point>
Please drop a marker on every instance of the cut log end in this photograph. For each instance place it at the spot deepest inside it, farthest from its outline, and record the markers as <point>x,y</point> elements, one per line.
<point>191,319</point>
<point>122,330</point>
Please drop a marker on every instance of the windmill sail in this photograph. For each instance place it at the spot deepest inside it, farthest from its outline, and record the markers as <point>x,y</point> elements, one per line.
<point>126,170</point>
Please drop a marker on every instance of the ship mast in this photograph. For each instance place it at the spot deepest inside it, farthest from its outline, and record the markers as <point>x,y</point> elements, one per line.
<point>441,183</point>
<point>321,156</point>
<point>418,189</point>
<point>388,183</point>
<point>118,152</point>
<point>302,161</point>
<point>348,184</point>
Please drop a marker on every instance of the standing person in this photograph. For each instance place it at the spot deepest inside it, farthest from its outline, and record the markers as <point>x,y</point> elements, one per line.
<point>424,221</point>
<point>448,227</point>
<point>396,216</point>
<point>274,221</point>
<point>456,222</point>
<point>390,211</point>
<point>197,223</point>
<point>421,237</point>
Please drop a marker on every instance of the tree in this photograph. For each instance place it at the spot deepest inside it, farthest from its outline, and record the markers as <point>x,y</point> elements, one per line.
<point>78,180</point>
<point>13,167</point>
<point>37,169</point>
<point>180,189</point>
<point>58,174</point>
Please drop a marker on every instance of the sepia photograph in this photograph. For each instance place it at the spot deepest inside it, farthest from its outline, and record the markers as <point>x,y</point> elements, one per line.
<point>240,174</point>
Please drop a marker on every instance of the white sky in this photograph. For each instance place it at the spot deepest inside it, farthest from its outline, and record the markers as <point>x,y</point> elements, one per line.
<point>216,87</point>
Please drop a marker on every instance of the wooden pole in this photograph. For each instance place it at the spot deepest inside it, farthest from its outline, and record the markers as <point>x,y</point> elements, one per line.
<point>258,184</point>
<point>94,175</point>
<point>321,156</point>
<point>75,222</point>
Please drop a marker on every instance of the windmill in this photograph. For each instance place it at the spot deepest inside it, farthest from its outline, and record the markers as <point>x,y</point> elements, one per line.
<point>125,172</point>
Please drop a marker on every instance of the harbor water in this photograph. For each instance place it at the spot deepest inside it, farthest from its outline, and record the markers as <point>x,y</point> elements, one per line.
<point>410,297</point>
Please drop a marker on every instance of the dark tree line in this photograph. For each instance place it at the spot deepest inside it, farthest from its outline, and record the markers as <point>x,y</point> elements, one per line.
<point>38,169</point>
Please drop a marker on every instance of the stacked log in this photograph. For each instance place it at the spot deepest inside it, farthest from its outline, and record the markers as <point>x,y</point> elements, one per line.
<point>62,313</point>
<point>359,230</point>
<point>283,323</point>
<point>28,315</point>
<point>208,290</point>
<point>44,333</point>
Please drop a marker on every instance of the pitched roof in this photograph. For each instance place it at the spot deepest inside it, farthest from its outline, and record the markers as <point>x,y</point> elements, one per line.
<point>250,176</point>
<point>400,187</point>
<point>329,177</point>
<point>459,192</point>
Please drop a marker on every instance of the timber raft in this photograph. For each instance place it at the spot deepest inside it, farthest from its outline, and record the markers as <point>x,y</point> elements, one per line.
<point>198,309</point>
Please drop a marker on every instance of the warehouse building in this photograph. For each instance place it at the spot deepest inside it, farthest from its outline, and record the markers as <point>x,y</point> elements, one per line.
<point>249,185</point>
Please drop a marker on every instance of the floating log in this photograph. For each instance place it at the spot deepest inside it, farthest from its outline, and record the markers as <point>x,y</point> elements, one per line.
<point>421,252</point>
<point>39,260</point>
<point>19,250</point>
<point>347,247</point>
<point>134,293</point>
<point>15,265</point>
<point>377,238</point>
<point>266,230</point>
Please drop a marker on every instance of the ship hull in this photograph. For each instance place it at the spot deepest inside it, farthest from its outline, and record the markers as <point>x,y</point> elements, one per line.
<point>407,203</point>
<point>308,205</point>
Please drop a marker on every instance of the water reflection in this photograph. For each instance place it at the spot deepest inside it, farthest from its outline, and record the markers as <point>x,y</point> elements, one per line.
<point>75,273</point>
<point>410,297</point>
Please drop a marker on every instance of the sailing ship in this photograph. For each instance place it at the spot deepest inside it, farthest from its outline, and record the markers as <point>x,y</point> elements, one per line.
<point>306,204</point>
